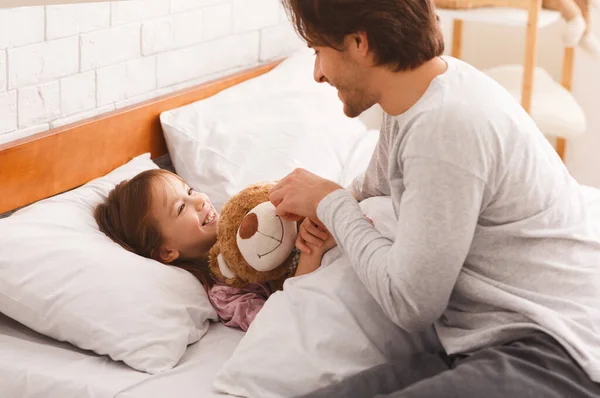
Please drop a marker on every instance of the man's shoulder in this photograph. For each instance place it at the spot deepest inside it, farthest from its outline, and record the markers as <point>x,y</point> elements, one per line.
<point>469,135</point>
<point>464,105</point>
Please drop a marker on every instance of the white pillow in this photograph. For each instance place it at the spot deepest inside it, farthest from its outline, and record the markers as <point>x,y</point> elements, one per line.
<point>323,327</point>
<point>62,277</point>
<point>261,130</point>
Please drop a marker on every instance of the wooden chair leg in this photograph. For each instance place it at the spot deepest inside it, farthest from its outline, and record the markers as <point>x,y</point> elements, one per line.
<point>457,33</point>
<point>567,68</point>
<point>531,47</point>
<point>567,82</point>
<point>561,148</point>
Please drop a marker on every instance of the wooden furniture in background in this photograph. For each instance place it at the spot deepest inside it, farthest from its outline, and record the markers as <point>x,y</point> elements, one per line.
<point>567,82</point>
<point>48,163</point>
<point>534,18</point>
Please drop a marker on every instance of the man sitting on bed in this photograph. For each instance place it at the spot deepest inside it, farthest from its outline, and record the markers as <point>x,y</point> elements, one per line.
<point>494,246</point>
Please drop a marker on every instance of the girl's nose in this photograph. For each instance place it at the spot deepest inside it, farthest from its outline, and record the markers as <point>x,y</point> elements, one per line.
<point>199,202</point>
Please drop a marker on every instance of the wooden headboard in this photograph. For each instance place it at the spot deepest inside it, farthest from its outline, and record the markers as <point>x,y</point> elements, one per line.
<point>48,163</point>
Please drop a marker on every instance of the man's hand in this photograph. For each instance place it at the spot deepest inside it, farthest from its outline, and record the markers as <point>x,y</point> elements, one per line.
<point>314,237</point>
<point>298,194</point>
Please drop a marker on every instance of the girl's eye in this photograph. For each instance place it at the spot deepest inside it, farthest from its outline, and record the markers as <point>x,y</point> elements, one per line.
<point>181,208</point>
<point>190,191</point>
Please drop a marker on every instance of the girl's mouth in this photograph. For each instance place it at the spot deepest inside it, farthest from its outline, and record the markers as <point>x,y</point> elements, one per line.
<point>210,217</point>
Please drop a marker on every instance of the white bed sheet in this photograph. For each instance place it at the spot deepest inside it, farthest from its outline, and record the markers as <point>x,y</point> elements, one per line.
<point>34,366</point>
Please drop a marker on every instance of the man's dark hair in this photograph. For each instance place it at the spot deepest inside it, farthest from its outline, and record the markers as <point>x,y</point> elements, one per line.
<point>402,34</point>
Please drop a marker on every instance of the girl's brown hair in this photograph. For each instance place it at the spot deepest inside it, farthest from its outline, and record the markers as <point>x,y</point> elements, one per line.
<point>403,34</point>
<point>125,217</point>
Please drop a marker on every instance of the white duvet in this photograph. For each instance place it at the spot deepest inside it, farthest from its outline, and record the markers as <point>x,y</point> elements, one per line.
<point>321,328</point>
<point>325,326</point>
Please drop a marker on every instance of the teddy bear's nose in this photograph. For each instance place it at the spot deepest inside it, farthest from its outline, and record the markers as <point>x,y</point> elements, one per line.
<point>249,226</point>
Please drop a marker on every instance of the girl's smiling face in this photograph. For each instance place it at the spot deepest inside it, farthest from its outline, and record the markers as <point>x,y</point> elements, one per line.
<point>186,219</point>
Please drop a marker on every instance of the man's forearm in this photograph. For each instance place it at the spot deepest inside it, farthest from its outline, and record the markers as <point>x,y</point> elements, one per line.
<point>432,238</point>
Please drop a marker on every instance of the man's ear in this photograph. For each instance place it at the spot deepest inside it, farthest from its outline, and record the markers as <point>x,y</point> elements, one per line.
<point>358,43</point>
<point>166,255</point>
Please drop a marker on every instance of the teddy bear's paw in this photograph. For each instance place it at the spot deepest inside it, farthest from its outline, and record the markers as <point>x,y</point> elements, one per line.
<point>591,44</point>
<point>574,31</point>
<point>224,267</point>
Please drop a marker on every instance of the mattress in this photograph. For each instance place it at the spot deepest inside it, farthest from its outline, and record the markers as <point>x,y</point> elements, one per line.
<point>34,366</point>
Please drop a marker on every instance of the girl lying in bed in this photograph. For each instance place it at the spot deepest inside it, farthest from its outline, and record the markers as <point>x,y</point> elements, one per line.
<point>158,215</point>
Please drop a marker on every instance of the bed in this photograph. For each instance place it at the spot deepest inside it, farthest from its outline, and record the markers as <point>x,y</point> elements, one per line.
<point>58,162</point>
<point>46,164</point>
<point>33,365</point>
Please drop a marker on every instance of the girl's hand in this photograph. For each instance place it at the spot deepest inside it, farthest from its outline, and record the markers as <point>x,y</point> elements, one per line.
<point>314,237</point>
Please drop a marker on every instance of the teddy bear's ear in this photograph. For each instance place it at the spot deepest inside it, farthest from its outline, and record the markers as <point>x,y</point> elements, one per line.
<point>224,267</point>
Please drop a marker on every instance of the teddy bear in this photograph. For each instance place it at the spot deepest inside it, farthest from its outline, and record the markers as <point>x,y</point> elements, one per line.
<point>578,17</point>
<point>254,244</point>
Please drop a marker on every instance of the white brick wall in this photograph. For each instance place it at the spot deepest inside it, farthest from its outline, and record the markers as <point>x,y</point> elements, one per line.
<point>277,41</point>
<point>20,26</point>
<point>38,103</point>
<point>119,82</point>
<point>188,28</point>
<point>157,35</point>
<point>42,61</point>
<point>110,46</point>
<point>183,5</point>
<point>78,93</point>
<point>60,64</point>
<point>137,10</point>
<point>8,105</point>
<point>254,14</point>
<point>217,21</point>
<point>173,31</point>
<point>207,58</point>
<point>70,20</point>
<point>3,71</point>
